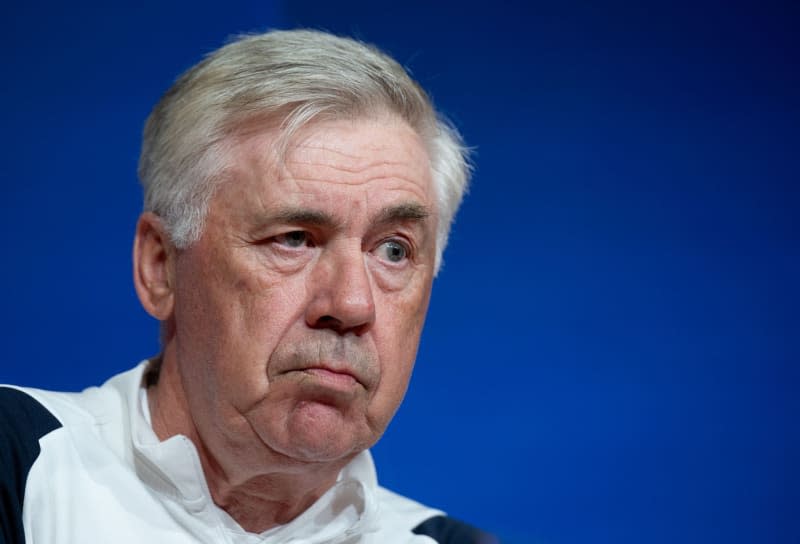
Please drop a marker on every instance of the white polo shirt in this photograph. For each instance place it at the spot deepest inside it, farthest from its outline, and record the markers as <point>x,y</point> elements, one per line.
<point>83,468</point>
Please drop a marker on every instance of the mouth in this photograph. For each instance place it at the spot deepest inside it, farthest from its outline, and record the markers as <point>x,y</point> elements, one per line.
<point>332,378</point>
<point>337,378</point>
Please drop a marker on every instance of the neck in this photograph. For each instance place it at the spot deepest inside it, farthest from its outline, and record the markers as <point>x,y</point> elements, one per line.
<point>268,499</point>
<point>257,487</point>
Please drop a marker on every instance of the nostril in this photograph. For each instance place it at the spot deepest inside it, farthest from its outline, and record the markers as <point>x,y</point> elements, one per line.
<point>328,322</point>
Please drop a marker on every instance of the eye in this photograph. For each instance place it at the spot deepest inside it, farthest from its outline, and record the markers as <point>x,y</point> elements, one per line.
<point>393,251</point>
<point>295,238</point>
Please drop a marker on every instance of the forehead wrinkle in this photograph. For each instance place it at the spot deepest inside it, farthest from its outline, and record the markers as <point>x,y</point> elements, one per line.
<point>366,157</point>
<point>354,170</point>
<point>315,167</point>
<point>367,170</point>
<point>359,181</point>
<point>350,168</point>
<point>361,153</point>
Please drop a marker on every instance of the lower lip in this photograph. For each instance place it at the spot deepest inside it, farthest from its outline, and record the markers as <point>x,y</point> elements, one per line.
<point>334,379</point>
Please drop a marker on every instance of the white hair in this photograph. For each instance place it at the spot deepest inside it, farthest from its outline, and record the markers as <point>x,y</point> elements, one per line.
<point>287,79</point>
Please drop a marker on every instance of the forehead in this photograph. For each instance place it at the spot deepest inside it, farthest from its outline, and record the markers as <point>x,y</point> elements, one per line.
<point>361,161</point>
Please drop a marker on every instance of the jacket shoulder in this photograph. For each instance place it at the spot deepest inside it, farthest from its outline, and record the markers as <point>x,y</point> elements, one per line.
<point>23,422</point>
<point>409,515</point>
<point>447,530</point>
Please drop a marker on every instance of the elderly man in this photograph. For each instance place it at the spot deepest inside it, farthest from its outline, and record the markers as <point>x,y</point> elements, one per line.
<point>298,194</point>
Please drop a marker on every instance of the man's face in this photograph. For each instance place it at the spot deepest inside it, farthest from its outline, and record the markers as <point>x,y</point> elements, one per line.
<point>298,313</point>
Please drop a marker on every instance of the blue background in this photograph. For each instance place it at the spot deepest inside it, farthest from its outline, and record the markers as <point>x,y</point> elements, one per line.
<point>612,349</point>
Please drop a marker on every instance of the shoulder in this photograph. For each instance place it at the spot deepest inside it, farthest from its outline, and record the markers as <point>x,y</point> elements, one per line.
<point>23,422</point>
<point>45,435</point>
<point>25,411</point>
<point>41,433</point>
<point>23,418</point>
<point>400,513</point>
<point>447,530</point>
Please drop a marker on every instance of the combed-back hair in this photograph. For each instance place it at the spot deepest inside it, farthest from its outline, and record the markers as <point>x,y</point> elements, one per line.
<point>284,79</point>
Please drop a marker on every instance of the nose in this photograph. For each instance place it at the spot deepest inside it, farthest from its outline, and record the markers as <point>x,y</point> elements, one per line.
<point>341,293</point>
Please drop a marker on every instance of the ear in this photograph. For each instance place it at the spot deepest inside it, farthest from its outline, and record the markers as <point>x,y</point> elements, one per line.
<point>153,266</point>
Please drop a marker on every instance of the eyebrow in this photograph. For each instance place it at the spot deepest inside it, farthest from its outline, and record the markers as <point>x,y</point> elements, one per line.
<point>304,216</point>
<point>400,213</point>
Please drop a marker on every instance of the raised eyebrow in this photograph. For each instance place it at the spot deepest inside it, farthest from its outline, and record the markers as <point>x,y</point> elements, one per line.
<point>400,213</point>
<point>303,216</point>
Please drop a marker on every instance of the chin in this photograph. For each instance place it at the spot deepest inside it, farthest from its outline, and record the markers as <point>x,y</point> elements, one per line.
<point>320,433</point>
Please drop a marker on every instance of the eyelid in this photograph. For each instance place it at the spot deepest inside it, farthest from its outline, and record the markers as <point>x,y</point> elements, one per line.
<point>281,238</point>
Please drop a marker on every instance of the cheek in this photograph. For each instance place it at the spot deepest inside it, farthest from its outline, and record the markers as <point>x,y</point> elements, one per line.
<point>402,317</point>
<point>231,314</point>
<point>263,314</point>
<point>255,303</point>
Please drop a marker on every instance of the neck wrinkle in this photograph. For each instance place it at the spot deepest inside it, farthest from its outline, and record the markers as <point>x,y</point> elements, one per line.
<point>258,501</point>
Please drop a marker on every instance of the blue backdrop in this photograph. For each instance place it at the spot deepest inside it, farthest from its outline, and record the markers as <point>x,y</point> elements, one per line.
<point>612,352</point>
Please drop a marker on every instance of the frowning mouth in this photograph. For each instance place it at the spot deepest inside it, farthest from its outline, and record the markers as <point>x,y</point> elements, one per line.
<point>339,380</point>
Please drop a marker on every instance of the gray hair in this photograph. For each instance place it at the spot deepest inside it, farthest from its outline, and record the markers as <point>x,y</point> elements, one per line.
<point>287,78</point>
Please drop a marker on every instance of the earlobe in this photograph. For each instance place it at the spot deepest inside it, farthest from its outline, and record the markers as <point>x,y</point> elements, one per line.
<point>153,261</point>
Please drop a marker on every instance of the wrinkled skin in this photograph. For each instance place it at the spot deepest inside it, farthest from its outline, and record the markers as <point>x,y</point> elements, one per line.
<point>294,320</point>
